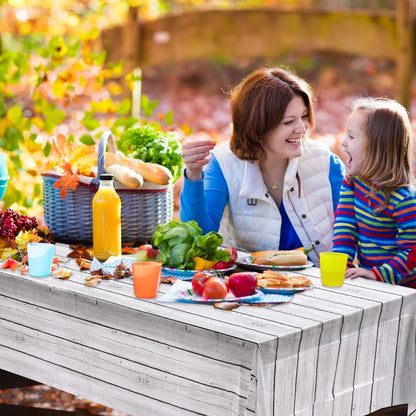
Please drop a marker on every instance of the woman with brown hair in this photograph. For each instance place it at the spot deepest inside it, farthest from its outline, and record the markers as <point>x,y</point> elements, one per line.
<point>269,187</point>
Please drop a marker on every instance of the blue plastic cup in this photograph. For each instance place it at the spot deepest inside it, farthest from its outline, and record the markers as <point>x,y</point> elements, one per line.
<point>4,176</point>
<point>3,186</point>
<point>40,258</point>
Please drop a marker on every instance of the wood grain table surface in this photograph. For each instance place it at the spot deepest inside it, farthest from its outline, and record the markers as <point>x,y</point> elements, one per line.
<point>329,351</point>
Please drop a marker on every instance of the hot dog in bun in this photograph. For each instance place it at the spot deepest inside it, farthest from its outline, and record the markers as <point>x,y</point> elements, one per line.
<point>280,257</point>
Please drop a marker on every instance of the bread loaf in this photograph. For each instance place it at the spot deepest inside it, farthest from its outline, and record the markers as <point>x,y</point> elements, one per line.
<point>280,257</point>
<point>151,172</point>
<point>125,175</point>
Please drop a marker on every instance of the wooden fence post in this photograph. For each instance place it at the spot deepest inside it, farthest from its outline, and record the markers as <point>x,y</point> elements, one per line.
<point>405,54</point>
<point>130,45</point>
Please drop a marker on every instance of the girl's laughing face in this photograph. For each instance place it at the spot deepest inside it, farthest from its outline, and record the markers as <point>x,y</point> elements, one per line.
<point>355,142</point>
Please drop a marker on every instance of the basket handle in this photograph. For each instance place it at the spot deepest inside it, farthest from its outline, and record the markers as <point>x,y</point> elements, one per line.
<point>106,138</point>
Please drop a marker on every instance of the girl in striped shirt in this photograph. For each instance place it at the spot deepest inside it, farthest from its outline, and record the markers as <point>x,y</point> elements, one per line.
<point>375,221</point>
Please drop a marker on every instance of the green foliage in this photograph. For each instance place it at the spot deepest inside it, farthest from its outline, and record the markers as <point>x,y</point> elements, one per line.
<point>58,85</point>
<point>147,106</point>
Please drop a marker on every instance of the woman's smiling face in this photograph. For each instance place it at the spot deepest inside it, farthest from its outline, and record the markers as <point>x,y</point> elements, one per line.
<point>355,142</point>
<point>285,141</point>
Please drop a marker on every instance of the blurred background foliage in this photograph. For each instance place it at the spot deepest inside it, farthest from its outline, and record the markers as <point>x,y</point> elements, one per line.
<point>54,77</point>
<point>54,80</point>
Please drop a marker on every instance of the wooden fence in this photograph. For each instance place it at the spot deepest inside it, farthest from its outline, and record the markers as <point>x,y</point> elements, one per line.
<point>268,33</point>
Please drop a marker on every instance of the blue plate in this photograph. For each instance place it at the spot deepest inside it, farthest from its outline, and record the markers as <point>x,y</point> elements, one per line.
<point>284,290</point>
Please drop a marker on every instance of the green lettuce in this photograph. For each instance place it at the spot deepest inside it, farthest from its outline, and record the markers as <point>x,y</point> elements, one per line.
<point>154,146</point>
<point>179,242</point>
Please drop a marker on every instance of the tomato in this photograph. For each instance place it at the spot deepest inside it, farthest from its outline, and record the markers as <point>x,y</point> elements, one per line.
<point>215,288</point>
<point>198,282</point>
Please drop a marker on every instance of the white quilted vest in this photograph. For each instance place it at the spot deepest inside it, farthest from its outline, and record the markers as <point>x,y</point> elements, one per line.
<point>251,220</point>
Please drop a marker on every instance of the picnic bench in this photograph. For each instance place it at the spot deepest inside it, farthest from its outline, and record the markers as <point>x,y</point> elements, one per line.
<point>329,351</point>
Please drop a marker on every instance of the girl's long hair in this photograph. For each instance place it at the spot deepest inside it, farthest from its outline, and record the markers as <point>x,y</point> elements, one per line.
<point>388,163</point>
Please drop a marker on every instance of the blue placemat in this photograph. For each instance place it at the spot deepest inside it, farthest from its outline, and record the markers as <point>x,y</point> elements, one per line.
<point>181,291</point>
<point>109,266</point>
<point>178,274</point>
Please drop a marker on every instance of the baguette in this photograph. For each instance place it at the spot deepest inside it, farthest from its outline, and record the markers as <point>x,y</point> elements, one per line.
<point>125,175</point>
<point>280,257</point>
<point>151,172</point>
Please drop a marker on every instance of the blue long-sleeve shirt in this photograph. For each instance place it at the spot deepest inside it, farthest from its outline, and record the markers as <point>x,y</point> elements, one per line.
<point>204,201</point>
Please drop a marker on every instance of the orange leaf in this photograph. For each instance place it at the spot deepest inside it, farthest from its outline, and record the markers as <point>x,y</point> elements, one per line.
<point>68,180</point>
<point>83,264</point>
<point>66,166</point>
<point>80,251</point>
<point>62,274</point>
<point>226,306</point>
<point>93,282</point>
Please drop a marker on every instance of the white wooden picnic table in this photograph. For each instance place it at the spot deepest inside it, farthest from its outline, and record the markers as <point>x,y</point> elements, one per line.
<point>330,351</point>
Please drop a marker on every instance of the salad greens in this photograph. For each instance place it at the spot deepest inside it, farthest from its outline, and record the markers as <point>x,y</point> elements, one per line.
<point>151,145</point>
<point>179,242</point>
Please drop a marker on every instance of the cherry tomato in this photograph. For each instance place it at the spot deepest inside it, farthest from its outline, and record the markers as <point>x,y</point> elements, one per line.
<point>215,288</point>
<point>198,282</point>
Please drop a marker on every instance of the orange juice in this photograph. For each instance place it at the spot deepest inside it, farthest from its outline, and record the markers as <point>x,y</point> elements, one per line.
<point>106,217</point>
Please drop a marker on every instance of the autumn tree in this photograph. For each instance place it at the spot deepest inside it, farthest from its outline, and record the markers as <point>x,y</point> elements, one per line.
<point>54,81</point>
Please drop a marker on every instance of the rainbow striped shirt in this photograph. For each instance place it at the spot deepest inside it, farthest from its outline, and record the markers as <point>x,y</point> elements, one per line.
<point>381,241</point>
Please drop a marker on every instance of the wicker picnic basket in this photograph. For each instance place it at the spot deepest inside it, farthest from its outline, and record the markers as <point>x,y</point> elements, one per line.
<point>70,219</point>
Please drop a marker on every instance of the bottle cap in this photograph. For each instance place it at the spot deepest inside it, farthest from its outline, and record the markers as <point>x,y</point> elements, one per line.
<point>106,177</point>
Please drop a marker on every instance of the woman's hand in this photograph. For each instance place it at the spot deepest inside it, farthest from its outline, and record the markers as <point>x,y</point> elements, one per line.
<point>359,272</point>
<point>196,154</point>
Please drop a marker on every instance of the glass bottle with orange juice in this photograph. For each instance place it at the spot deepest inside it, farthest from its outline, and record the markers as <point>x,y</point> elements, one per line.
<point>106,218</point>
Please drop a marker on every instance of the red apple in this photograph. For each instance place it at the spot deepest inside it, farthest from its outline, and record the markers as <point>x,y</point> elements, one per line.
<point>146,253</point>
<point>199,280</point>
<point>243,283</point>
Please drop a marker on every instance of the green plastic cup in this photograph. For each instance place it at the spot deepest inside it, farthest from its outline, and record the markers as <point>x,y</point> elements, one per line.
<point>333,266</point>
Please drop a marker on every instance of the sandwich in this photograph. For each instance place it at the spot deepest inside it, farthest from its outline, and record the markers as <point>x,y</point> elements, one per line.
<point>280,257</point>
